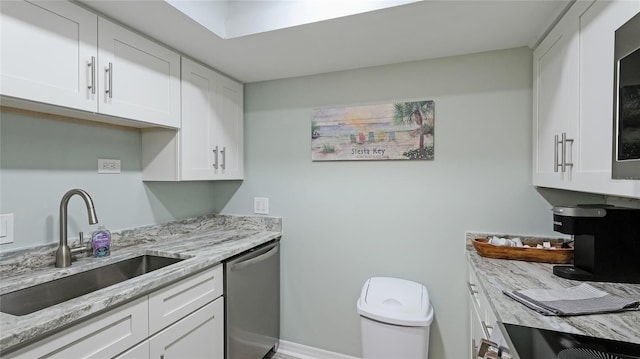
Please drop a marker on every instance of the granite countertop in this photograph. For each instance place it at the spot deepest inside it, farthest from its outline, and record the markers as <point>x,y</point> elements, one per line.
<point>496,275</point>
<point>203,242</point>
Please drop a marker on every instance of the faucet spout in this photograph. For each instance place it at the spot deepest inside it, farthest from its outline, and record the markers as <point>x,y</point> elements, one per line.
<point>63,253</point>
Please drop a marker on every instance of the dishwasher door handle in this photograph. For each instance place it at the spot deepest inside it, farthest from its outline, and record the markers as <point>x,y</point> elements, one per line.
<point>254,257</point>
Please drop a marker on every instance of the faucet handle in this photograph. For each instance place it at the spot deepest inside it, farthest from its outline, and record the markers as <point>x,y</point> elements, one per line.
<point>82,246</point>
<point>88,245</point>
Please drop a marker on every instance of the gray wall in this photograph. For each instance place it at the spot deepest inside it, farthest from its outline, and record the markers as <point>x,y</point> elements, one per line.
<point>40,159</point>
<point>347,221</point>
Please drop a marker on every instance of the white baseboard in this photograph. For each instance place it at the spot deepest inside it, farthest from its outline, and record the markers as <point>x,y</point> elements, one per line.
<point>306,352</point>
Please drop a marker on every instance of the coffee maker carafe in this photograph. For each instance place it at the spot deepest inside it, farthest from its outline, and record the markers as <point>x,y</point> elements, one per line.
<point>606,242</point>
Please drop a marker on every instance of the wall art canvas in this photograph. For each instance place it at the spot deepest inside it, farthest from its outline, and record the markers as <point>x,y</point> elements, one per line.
<point>396,131</point>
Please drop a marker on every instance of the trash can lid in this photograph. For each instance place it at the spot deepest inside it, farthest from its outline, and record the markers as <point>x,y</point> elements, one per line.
<point>395,301</point>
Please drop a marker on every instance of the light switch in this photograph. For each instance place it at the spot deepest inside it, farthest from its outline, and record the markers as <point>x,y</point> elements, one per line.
<point>6,228</point>
<point>261,205</point>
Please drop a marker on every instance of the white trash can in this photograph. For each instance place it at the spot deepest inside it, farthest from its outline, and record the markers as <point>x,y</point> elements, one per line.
<point>395,317</point>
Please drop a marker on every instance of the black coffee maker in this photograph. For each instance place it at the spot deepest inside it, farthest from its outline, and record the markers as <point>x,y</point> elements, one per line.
<point>606,242</point>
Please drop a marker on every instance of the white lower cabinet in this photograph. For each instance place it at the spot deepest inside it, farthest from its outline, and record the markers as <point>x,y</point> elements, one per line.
<point>104,336</point>
<point>199,335</point>
<point>188,317</point>
<point>481,317</point>
<point>171,303</point>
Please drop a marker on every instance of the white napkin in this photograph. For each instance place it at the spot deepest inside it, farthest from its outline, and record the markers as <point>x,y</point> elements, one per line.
<point>581,299</point>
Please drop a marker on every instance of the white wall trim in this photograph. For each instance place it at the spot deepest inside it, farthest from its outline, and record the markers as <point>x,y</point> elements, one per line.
<point>305,352</point>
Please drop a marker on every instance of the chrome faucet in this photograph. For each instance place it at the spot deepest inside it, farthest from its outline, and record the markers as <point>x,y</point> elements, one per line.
<point>63,253</point>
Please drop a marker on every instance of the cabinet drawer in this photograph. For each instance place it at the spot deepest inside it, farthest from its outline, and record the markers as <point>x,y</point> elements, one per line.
<point>104,336</point>
<point>176,301</point>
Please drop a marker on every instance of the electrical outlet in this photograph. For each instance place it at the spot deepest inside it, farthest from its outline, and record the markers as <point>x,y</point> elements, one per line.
<point>261,205</point>
<point>108,166</point>
<point>6,228</point>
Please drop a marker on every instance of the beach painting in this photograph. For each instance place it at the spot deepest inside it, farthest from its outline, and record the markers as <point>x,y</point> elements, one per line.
<point>396,131</point>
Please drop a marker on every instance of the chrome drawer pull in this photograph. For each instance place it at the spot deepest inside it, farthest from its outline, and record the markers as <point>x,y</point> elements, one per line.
<point>556,142</point>
<point>215,164</point>
<point>92,65</point>
<point>224,157</point>
<point>471,290</point>
<point>565,164</point>
<point>109,70</point>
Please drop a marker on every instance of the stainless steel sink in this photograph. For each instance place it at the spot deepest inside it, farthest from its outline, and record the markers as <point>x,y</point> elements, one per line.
<point>33,299</point>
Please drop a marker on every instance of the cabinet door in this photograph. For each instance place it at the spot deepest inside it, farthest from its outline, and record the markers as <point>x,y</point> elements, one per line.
<point>598,24</point>
<point>139,79</point>
<point>231,134</point>
<point>47,50</point>
<point>475,316</point>
<point>199,335</point>
<point>555,100</point>
<point>101,337</point>
<point>482,320</point>
<point>200,102</point>
<point>476,331</point>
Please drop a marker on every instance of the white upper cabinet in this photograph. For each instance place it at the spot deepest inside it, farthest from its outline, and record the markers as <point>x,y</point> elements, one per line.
<point>573,100</point>
<point>200,116</point>
<point>597,27</point>
<point>47,53</point>
<point>209,144</point>
<point>57,53</point>
<point>139,79</point>
<point>555,101</point>
<point>231,129</point>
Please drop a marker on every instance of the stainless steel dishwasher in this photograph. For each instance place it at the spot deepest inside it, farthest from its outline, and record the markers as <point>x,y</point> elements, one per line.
<point>252,302</point>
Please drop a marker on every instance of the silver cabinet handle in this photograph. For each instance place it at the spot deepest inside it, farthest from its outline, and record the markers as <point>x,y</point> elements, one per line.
<point>556,142</point>
<point>92,65</point>
<point>485,329</point>
<point>224,157</point>
<point>562,164</point>
<point>471,290</point>
<point>215,164</point>
<point>109,70</point>
<point>565,164</point>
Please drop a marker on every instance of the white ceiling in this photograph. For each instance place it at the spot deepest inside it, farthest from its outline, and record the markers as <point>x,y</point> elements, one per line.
<point>236,18</point>
<point>421,30</point>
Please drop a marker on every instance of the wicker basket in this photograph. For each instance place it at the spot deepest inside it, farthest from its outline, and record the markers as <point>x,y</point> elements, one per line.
<point>545,255</point>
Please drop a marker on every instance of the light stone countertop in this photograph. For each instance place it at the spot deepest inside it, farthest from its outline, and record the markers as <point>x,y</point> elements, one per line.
<point>202,241</point>
<point>496,275</point>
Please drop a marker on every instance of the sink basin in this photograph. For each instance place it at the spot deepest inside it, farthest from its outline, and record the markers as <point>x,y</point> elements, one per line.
<point>33,299</point>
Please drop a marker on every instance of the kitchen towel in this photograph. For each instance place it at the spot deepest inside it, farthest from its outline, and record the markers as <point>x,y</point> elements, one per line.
<point>581,299</point>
